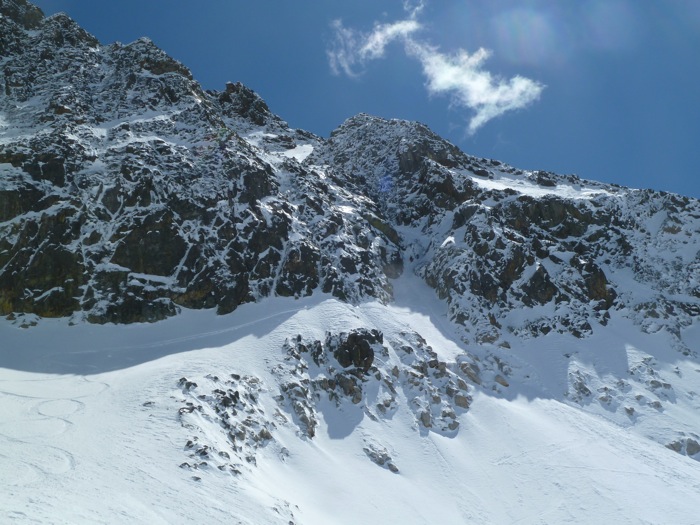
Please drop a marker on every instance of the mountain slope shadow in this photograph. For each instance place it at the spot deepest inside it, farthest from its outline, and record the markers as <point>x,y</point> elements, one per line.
<point>88,349</point>
<point>538,367</point>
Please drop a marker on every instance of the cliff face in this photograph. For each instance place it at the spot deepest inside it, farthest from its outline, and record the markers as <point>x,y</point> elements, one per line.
<point>524,253</point>
<point>127,192</point>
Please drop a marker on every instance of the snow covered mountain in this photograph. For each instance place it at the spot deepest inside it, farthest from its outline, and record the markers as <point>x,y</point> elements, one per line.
<point>404,331</point>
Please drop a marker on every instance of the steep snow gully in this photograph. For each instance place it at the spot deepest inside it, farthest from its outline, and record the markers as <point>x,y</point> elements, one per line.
<point>207,316</point>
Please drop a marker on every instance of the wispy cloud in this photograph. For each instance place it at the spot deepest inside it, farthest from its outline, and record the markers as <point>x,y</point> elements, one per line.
<point>460,76</point>
<point>351,50</point>
<point>374,44</point>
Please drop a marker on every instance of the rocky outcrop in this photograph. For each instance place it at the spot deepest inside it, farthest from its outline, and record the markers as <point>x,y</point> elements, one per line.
<point>132,192</point>
<point>228,420</point>
<point>491,239</point>
<point>243,102</point>
<point>233,402</point>
<point>355,348</point>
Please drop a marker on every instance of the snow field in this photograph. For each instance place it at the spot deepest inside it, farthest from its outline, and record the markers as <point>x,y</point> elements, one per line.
<point>90,431</point>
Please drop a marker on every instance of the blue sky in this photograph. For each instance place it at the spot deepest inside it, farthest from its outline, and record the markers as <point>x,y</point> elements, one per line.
<point>606,89</point>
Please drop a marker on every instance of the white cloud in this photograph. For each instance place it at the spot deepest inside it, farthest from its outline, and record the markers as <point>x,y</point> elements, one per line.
<point>460,76</point>
<point>352,49</point>
<point>343,55</point>
<point>384,34</point>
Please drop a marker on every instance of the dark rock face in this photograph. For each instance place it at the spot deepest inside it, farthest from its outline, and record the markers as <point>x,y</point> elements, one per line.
<point>491,239</point>
<point>539,289</point>
<point>244,102</point>
<point>143,193</point>
<point>395,162</point>
<point>355,348</point>
<point>596,284</point>
<point>21,12</point>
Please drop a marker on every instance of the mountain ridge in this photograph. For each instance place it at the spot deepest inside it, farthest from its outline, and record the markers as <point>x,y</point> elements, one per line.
<point>160,82</point>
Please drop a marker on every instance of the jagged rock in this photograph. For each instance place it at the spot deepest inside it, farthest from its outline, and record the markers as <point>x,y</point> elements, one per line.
<point>546,179</point>
<point>22,12</point>
<point>356,348</point>
<point>381,457</point>
<point>233,404</point>
<point>245,103</point>
<point>539,289</point>
<point>596,283</point>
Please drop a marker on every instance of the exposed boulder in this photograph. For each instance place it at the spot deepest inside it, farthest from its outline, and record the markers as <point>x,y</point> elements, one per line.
<point>355,348</point>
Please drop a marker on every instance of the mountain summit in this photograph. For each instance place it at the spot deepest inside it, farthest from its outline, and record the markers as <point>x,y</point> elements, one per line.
<point>424,278</point>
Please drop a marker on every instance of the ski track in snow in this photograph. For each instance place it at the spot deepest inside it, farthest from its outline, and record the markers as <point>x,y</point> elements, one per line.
<point>34,424</point>
<point>67,440</point>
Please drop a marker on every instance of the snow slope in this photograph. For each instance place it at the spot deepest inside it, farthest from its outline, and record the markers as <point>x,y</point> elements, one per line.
<point>93,432</point>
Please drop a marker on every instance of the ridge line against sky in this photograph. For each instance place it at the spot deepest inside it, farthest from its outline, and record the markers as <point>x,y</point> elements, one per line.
<point>621,103</point>
<point>459,75</point>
